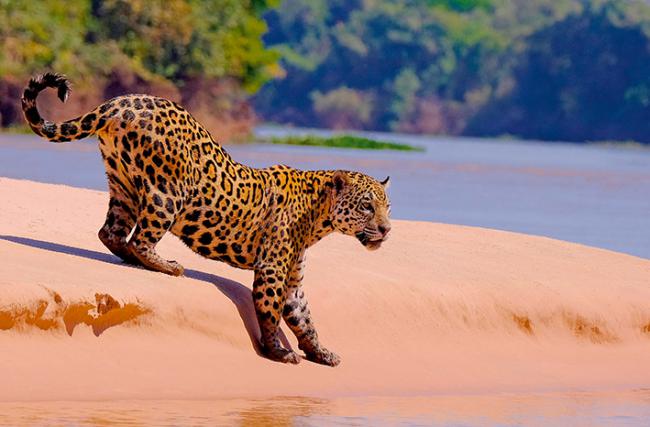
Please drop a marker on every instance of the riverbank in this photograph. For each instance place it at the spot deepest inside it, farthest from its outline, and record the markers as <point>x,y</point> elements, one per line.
<point>439,309</point>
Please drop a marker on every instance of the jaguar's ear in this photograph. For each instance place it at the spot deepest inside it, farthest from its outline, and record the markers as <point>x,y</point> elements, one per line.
<point>340,180</point>
<point>386,183</point>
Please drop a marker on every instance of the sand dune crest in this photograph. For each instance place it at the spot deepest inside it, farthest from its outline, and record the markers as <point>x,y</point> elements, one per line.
<point>439,309</point>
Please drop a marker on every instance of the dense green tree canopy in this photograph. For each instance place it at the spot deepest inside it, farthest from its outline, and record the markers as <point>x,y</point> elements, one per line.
<point>175,39</point>
<point>550,69</point>
<point>134,44</point>
<point>584,77</point>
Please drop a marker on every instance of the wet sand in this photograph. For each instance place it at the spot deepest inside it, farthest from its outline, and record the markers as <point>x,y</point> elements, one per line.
<point>441,309</point>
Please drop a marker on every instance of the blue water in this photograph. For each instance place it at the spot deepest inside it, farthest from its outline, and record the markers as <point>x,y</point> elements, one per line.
<point>497,410</point>
<point>595,195</point>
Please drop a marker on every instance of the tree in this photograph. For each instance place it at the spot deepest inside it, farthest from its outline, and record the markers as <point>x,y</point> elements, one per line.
<point>586,77</point>
<point>167,47</point>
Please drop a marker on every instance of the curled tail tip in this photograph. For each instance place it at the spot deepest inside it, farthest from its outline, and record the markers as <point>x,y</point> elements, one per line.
<point>45,80</point>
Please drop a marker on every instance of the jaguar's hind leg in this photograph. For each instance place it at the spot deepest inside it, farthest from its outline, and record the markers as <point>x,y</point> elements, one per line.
<point>156,217</point>
<point>120,220</point>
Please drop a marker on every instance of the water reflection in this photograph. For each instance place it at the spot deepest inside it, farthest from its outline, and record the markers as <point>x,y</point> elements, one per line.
<point>565,409</point>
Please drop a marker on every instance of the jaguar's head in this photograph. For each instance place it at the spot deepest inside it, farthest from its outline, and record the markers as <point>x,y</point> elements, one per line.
<point>360,207</point>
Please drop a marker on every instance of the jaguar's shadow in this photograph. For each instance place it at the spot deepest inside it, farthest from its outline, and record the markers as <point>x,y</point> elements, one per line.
<point>239,294</point>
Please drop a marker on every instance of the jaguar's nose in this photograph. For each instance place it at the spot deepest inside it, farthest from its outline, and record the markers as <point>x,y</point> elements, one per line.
<point>383,229</point>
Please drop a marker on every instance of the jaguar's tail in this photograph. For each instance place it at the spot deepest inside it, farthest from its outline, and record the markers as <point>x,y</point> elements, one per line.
<point>78,128</point>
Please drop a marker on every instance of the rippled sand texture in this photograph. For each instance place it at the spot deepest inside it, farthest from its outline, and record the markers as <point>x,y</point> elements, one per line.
<point>439,309</point>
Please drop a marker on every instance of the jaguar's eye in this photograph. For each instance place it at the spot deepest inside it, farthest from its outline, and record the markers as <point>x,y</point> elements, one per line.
<point>367,206</point>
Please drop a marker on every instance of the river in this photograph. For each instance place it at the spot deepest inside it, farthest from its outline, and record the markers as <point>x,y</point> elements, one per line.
<point>589,194</point>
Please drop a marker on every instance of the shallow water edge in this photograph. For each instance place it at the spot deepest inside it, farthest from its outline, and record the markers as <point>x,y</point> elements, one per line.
<point>630,408</point>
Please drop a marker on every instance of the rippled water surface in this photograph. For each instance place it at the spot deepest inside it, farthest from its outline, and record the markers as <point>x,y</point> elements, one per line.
<point>573,409</point>
<point>595,195</point>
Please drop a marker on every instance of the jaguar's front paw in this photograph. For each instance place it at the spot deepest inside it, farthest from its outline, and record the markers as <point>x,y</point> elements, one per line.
<point>279,354</point>
<point>175,269</point>
<point>324,357</point>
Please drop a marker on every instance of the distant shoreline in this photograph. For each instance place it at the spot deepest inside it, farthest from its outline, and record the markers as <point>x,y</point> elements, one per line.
<point>324,132</point>
<point>380,136</point>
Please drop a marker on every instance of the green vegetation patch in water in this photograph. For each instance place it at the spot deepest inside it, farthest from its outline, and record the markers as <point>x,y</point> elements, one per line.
<point>18,128</point>
<point>343,141</point>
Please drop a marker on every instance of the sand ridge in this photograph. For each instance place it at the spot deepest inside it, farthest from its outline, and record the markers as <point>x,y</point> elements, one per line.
<point>439,309</point>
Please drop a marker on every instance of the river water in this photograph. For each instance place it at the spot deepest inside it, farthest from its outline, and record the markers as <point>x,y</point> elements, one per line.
<point>594,195</point>
<point>506,410</point>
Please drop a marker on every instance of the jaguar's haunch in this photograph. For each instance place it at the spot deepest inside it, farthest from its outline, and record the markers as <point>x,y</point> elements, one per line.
<point>166,173</point>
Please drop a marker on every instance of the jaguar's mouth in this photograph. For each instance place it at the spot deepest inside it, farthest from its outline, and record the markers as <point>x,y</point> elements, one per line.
<point>371,243</point>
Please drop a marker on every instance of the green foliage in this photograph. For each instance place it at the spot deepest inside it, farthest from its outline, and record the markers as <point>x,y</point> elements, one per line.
<point>344,141</point>
<point>38,35</point>
<point>173,40</point>
<point>461,5</point>
<point>342,106</point>
<point>405,88</point>
<point>181,39</point>
<point>585,77</point>
<point>551,69</point>
<point>388,54</point>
